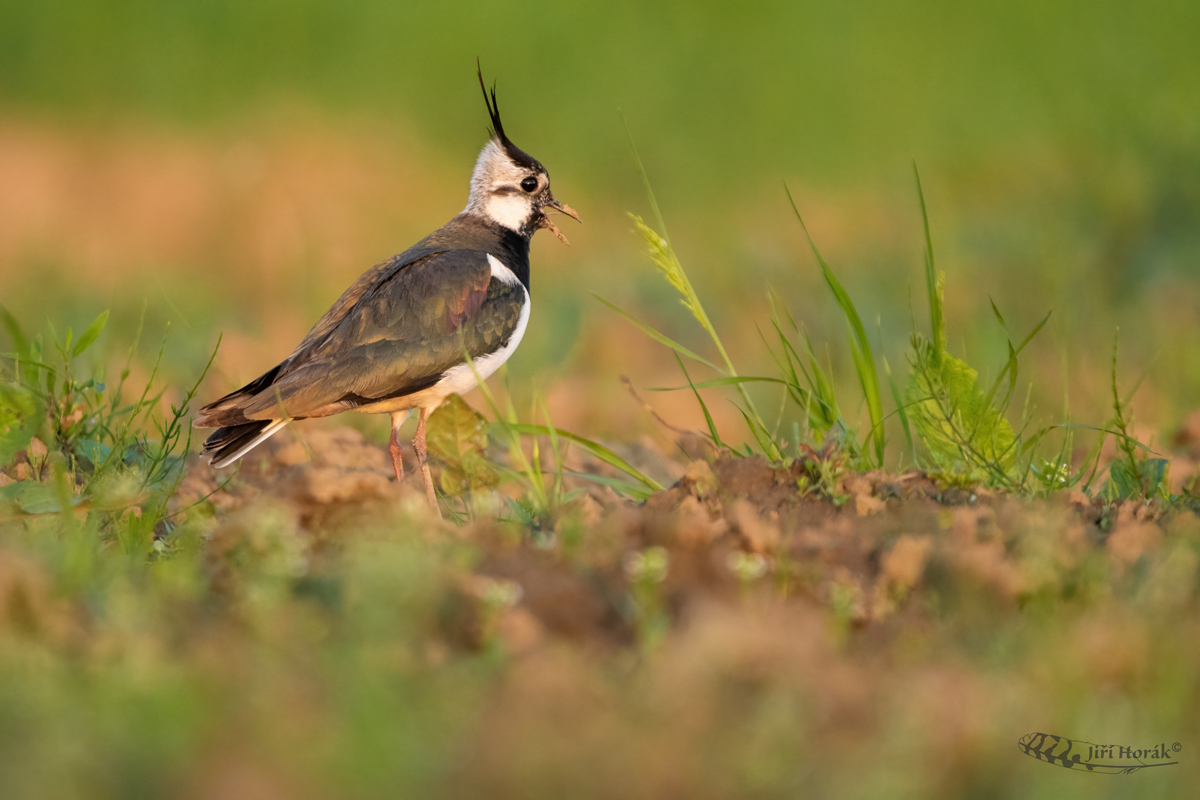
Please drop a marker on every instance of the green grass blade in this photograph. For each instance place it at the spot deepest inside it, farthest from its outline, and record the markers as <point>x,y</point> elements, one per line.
<point>800,396</point>
<point>901,408</point>
<point>860,343</point>
<point>14,330</point>
<point>660,338</point>
<point>89,336</point>
<point>712,426</point>
<point>760,435</point>
<point>1111,432</point>
<point>598,450</point>
<point>554,448</point>
<point>936,321</point>
<point>623,488</point>
<point>822,390</point>
<point>1010,368</point>
<point>658,217</point>
<point>731,380</point>
<point>662,253</point>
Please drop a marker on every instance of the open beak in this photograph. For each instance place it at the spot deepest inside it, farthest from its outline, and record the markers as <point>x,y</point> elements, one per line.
<point>561,208</point>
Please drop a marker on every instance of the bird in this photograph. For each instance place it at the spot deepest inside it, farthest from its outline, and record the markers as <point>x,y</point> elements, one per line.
<point>399,338</point>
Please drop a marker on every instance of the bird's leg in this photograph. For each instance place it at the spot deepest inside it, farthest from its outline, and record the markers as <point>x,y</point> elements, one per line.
<point>419,447</point>
<point>398,418</point>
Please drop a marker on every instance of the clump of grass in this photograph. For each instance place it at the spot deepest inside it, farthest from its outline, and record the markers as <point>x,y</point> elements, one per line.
<point>84,446</point>
<point>964,428</point>
<point>967,437</point>
<point>802,377</point>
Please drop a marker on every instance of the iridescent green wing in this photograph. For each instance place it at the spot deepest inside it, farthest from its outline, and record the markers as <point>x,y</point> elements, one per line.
<point>399,337</point>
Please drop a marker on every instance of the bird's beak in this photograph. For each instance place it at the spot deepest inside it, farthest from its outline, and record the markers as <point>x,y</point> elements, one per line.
<point>561,208</point>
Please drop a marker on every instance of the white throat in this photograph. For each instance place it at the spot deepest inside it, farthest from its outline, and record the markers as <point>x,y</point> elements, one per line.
<point>509,210</point>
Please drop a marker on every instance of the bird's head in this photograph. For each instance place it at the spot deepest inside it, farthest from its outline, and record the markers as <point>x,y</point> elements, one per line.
<point>510,187</point>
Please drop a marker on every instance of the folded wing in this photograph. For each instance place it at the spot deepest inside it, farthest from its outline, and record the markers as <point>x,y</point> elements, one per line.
<point>394,333</point>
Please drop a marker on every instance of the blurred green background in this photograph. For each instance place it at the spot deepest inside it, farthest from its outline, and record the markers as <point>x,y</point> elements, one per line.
<point>233,165</point>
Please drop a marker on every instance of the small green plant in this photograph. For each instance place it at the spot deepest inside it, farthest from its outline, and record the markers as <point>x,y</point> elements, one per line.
<point>647,570</point>
<point>1136,474</point>
<point>963,427</point>
<point>458,438</point>
<point>823,470</point>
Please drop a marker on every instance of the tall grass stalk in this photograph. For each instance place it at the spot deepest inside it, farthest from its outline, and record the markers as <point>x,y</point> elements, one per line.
<point>663,256</point>
<point>860,343</point>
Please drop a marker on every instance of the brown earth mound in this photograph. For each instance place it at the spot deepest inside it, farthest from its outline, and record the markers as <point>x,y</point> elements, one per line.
<point>729,529</point>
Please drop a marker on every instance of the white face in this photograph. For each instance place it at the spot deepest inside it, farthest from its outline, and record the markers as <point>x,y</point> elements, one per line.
<point>504,192</point>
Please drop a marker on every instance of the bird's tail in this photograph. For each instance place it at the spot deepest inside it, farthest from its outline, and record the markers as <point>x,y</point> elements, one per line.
<point>227,445</point>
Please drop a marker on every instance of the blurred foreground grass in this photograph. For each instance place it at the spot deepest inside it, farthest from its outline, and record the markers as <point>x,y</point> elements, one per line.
<point>318,637</point>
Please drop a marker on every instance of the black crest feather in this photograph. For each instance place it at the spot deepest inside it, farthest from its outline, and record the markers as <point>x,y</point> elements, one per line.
<point>493,109</point>
<point>518,155</point>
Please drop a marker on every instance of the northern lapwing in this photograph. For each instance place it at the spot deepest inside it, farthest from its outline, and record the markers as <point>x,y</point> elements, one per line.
<point>396,340</point>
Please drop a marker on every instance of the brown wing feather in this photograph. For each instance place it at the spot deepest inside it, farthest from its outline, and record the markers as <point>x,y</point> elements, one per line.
<point>230,409</point>
<point>394,332</point>
<point>466,304</point>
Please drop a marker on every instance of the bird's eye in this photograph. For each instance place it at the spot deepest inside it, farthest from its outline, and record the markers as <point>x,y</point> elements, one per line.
<point>529,184</point>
